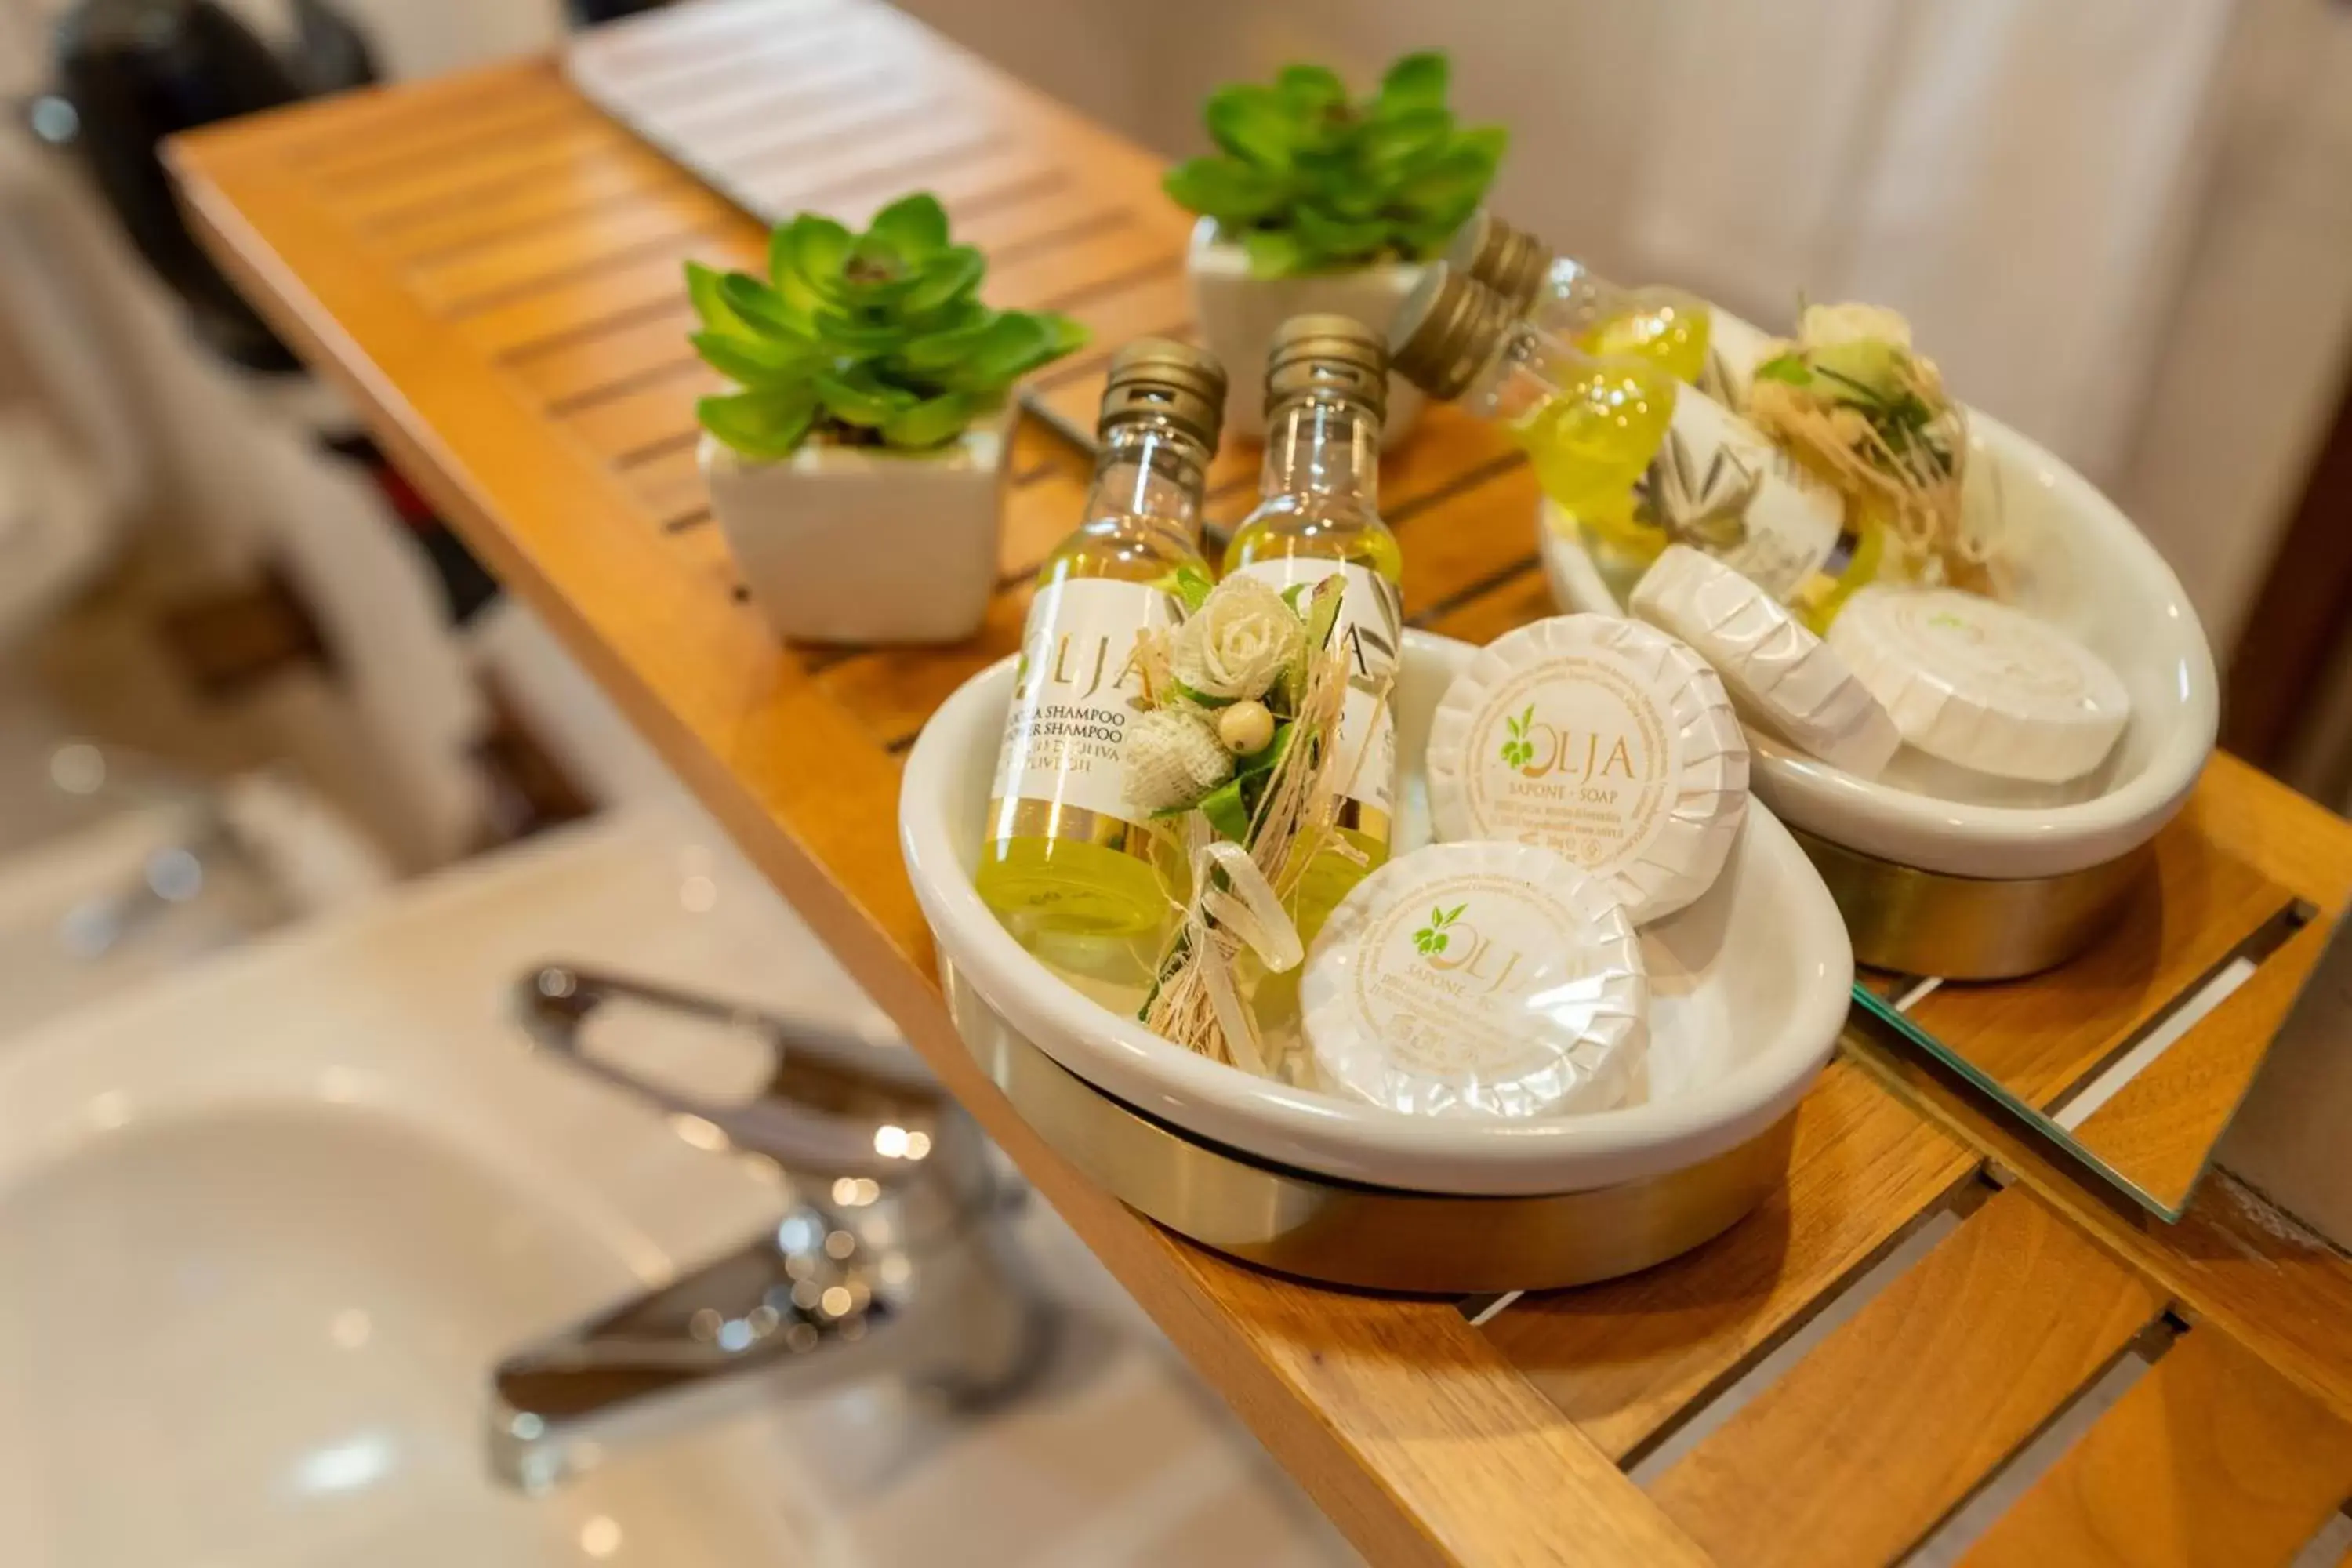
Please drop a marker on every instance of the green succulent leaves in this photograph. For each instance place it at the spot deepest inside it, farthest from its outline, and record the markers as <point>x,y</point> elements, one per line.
<point>1308,180</point>
<point>863,339</point>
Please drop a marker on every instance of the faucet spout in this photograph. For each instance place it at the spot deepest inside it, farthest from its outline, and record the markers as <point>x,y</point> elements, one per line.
<point>776,1315</point>
<point>915,1275</point>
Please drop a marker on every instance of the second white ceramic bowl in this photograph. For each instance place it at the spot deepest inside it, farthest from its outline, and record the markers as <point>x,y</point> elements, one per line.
<point>2092,574</point>
<point>1750,990</point>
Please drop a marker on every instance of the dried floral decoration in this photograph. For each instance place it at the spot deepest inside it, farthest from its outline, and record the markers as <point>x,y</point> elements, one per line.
<point>1852,401</point>
<point>1235,763</point>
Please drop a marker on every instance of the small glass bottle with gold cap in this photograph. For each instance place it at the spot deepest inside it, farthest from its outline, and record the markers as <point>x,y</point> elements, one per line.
<point>1678,330</point>
<point>1318,514</point>
<point>1569,300</point>
<point>1593,427</point>
<point>1062,858</point>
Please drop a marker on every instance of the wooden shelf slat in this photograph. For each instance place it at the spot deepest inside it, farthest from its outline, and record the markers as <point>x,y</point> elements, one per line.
<point>584,307</point>
<point>1520,592</point>
<point>2041,1040</point>
<point>371,119</point>
<point>480,177</point>
<point>668,485</point>
<point>2175,1111</point>
<point>515,267</point>
<point>1856,1453</point>
<point>1092,263</point>
<point>2232,1261</point>
<point>1624,1359</point>
<point>655,416</point>
<point>2211,1460</point>
<point>543,109</point>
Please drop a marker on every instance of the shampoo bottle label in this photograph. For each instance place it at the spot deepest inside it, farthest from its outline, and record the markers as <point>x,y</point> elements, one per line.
<point>1078,684</point>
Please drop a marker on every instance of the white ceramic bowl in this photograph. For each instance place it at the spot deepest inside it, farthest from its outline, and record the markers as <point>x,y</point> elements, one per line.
<point>2092,575</point>
<point>1749,989</point>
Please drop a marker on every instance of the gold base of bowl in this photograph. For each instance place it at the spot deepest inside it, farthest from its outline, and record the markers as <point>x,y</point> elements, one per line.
<point>1969,927</point>
<point>1342,1233</point>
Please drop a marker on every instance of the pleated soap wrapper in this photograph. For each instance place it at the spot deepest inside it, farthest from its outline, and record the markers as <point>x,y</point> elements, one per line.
<point>1605,740</point>
<point>1780,676</point>
<point>1483,979</point>
<point>1982,685</point>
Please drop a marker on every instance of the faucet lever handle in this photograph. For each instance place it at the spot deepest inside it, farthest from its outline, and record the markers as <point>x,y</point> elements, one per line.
<point>833,1101</point>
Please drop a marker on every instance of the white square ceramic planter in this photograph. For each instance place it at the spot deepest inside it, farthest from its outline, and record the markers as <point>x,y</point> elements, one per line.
<point>861,544</point>
<point>1237,314</point>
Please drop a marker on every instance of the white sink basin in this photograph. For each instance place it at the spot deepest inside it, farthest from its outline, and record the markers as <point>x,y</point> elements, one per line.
<point>265,1225</point>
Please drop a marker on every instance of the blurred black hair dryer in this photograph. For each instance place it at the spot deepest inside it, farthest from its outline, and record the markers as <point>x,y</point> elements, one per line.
<point>130,73</point>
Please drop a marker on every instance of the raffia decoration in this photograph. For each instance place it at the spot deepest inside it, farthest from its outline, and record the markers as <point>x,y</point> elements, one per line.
<point>1295,821</point>
<point>1914,486</point>
<point>1856,402</point>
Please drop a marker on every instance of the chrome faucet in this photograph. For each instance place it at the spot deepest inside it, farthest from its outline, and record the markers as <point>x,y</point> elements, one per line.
<point>207,841</point>
<point>895,1257</point>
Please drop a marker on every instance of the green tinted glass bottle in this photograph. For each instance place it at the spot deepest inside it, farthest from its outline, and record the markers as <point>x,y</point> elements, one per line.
<point>1569,300</point>
<point>1625,529</point>
<point>1318,514</point>
<point>1062,856</point>
<point>1595,426</point>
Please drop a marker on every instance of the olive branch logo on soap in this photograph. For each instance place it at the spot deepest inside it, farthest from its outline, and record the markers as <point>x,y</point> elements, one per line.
<point>1431,939</point>
<point>1518,750</point>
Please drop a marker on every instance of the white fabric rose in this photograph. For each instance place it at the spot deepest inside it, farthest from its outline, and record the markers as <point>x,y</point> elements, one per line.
<point>1826,326</point>
<point>1238,642</point>
<point>1173,758</point>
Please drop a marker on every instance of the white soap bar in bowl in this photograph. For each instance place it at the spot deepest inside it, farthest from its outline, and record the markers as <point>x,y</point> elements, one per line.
<point>1480,979</point>
<point>1605,740</point>
<point>1982,685</point>
<point>1780,674</point>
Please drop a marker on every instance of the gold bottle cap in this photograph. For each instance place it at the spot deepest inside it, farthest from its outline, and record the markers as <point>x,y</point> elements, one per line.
<point>1447,327</point>
<point>1511,261</point>
<point>1158,378</point>
<point>1327,356</point>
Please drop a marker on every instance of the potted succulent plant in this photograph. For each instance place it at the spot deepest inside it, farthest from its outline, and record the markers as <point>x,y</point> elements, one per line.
<point>1317,201</point>
<point>856,469</point>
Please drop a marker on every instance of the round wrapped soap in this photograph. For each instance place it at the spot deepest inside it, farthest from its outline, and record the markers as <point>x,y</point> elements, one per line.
<point>1605,740</point>
<point>1980,684</point>
<point>1485,979</point>
<point>1780,676</point>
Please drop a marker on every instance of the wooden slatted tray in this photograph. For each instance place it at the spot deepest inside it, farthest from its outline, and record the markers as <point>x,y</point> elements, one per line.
<point>490,267</point>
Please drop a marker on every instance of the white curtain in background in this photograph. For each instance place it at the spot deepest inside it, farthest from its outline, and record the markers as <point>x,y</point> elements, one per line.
<point>1758,122</point>
<point>2019,177</point>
